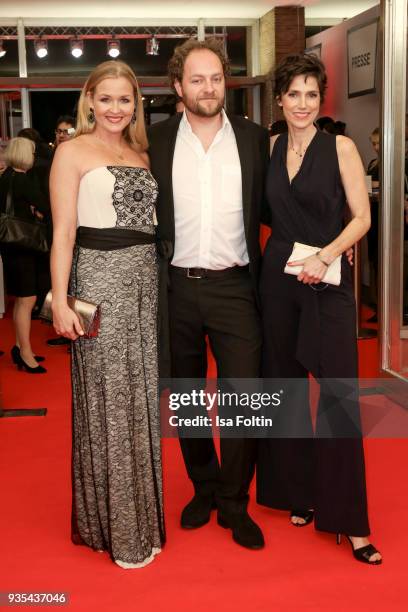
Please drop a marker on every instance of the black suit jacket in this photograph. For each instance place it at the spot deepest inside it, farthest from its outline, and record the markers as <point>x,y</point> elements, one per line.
<point>253,149</point>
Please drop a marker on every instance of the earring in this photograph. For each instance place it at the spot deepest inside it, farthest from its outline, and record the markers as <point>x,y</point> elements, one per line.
<point>91,116</point>
<point>133,119</point>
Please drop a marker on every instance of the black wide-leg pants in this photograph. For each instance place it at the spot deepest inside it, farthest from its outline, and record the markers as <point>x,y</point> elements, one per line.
<point>306,331</point>
<point>223,309</point>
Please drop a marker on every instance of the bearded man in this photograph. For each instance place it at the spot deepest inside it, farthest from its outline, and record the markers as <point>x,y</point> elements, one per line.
<point>210,168</point>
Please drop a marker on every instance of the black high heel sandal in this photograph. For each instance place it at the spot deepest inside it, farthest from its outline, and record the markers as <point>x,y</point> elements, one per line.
<point>306,515</point>
<point>15,354</point>
<point>363,553</point>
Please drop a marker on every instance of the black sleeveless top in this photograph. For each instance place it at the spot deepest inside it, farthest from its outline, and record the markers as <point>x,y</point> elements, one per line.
<point>311,208</point>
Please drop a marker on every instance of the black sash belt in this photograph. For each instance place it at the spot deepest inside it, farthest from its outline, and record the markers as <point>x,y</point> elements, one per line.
<point>111,238</point>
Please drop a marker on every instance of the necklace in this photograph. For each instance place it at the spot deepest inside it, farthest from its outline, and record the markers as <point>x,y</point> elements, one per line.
<point>292,148</point>
<point>300,153</point>
<point>118,155</point>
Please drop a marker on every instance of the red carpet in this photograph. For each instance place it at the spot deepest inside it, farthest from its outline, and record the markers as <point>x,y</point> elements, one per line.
<point>199,570</point>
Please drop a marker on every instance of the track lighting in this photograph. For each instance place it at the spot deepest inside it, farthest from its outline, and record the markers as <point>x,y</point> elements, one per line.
<point>152,46</point>
<point>77,47</point>
<point>41,47</point>
<point>113,48</point>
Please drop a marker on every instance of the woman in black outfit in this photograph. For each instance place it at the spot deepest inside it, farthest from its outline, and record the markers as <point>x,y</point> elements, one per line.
<point>309,326</point>
<point>26,271</point>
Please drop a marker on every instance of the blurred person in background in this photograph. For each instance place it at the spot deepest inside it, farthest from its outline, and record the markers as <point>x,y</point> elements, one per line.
<point>64,131</point>
<point>3,164</point>
<point>42,158</point>
<point>277,127</point>
<point>25,271</point>
<point>373,170</point>
<point>40,174</point>
<point>338,128</point>
<point>324,122</point>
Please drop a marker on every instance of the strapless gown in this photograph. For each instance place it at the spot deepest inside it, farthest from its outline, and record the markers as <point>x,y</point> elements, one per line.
<point>116,460</point>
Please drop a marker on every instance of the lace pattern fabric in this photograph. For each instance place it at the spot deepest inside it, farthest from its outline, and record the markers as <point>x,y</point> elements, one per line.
<point>117,482</point>
<point>135,193</point>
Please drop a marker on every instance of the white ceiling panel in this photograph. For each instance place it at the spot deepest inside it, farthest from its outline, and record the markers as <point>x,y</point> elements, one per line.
<point>187,9</point>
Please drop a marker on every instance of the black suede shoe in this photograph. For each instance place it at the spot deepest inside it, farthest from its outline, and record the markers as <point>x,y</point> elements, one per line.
<point>61,341</point>
<point>197,512</point>
<point>244,530</point>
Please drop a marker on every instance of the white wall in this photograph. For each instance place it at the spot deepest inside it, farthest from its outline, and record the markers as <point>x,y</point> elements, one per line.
<point>361,114</point>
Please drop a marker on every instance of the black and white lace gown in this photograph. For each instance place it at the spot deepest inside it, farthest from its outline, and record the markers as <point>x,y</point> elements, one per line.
<point>117,483</point>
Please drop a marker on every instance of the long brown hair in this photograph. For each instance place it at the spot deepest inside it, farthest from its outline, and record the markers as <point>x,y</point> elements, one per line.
<point>134,133</point>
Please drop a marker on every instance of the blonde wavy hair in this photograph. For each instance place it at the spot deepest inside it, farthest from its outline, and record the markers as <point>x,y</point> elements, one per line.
<point>19,153</point>
<point>134,133</point>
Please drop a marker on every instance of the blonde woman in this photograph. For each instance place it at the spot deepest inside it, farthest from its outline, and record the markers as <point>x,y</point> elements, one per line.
<point>25,270</point>
<point>104,242</point>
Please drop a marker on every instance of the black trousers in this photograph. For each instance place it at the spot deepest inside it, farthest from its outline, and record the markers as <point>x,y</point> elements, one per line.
<point>325,473</point>
<point>224,310</point>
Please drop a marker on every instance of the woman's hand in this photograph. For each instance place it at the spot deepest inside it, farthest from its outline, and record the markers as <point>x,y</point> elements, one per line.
<point>313,270</point>
<point>66,322</point>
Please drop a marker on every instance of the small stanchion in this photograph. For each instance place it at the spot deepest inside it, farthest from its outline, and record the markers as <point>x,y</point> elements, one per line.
<point>20,412</point>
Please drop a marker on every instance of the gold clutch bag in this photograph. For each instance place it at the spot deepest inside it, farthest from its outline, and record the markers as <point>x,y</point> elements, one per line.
<point>87,313</point>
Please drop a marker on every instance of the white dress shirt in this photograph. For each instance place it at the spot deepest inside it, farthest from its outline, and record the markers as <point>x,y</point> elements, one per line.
<point>207,192</point>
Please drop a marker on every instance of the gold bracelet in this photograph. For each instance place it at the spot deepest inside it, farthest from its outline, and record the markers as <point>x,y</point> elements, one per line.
<point>320,259</point>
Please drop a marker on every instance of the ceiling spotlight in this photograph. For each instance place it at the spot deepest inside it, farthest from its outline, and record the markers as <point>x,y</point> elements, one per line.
<point>41,48</point>
<point>152,46</point>
<point>3,51</point>
<point>113,48</point>
<point>77,47</point>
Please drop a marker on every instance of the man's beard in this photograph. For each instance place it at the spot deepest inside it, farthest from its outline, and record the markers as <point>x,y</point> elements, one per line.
<point>196,108</point>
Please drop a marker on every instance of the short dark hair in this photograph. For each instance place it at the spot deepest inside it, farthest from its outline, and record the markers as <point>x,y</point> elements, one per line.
<point>302,64</point>
<point>181,52</point>
<point>322,122</point>
<point>65,119</point>
<point>278,127</point>
<point>30,134</point>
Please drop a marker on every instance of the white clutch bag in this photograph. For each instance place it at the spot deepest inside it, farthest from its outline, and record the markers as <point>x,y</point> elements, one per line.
<point>301,251</point>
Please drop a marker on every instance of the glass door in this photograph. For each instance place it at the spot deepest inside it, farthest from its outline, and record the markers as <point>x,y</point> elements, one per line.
<point>11,120</point>
<point>394,267</point>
